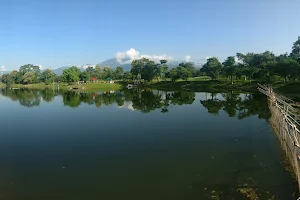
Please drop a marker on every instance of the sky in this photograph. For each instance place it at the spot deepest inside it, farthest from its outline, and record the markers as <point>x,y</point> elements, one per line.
<point>56,33</point>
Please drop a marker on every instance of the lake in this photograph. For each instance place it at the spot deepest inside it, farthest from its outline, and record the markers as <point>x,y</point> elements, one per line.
<point>139,144</point>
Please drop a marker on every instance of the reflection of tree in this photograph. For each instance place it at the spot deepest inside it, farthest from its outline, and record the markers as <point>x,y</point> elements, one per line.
<point>71,99</point>
<point>180,98</point>
<point>28,98</point>
<point>48,95</point>
<point>146,101</point>
<point>237,105</point>
<point>212,105</point>
<point>254,104</point>
<point>230,103</point>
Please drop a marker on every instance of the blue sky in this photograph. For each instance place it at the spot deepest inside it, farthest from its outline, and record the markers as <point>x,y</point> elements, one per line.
<point>75,32</point>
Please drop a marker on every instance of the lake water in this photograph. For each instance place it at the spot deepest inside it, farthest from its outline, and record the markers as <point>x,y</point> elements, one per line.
<point>139,145</point>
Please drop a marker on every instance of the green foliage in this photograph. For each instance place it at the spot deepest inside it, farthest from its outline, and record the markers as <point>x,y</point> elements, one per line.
<point>119,72</point>
<point>30,68</point>
<point>7,79</point>
<point>71,74</point>
<point>107,72</point>
<point>295,54</point>
<point>127,76</point>
<point>84,76</point>
<point>29,77</point>
<point>47,76</point>
<point>144,68</point>
<point>212,68</point>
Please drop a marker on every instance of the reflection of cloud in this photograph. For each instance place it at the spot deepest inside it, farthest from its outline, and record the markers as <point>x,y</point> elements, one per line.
<point>132,54</point>
<point>127,105</point>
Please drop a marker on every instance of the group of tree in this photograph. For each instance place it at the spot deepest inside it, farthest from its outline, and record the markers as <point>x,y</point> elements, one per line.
<point>29,74</point>
<point>256,65</point>
<point>148,70</point>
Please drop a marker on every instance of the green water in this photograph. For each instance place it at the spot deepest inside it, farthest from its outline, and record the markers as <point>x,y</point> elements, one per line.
<point>139,145</point>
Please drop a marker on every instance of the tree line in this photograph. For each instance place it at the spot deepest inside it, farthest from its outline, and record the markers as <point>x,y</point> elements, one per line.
<point>260,66</point>
<point>29,74</point>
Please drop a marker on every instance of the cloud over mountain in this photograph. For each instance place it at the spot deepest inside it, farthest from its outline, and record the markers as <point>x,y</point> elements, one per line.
<point>132,54</point>
<point>3,68</point>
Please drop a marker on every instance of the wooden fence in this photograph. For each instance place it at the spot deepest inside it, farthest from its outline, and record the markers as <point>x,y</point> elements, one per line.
<point>285,123</point>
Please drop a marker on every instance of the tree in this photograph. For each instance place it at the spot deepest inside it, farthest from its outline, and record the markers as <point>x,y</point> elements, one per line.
<point>174,74</point>
<point>212,67</point>
<point>28,77</point>
<point>127,76</point>
<point>97,72</point>
<point>47,76</point>
<point>107,72</point>
<point>84,76</point>
<point>17,76</point>
<point>295,54</point>
<point>190,68</point>
<point>30,68</point>
<point>144,68</point>
<point>91,71</point>
<point>119,73</point>
<point>7,79</point>
<point>71,74</point>
<point>229,67</point>
<point>287,68</point>
<point>162,69</point>
<point>183,73</point>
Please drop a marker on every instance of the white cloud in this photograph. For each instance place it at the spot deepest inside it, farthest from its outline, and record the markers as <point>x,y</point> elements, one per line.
<point>3,68</point>
<point>208,57</point>
<point>41,66</point>
<point>131,54</point>
<point>86,66</point>
<point>187,58</point>
<point>237,60</point>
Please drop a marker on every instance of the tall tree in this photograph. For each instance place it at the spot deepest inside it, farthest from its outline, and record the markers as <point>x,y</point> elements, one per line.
<point>295,54</point>
<point>71,74</point>
<point>119,72</point>
<point>229,67</point>
<point>28,77</point>
<point>144,68</point>
<point>212,67</point>
<point>47,76</point>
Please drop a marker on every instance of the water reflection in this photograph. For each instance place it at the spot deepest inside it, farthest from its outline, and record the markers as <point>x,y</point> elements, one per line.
<point>237,105</point>
<point>234,104</point>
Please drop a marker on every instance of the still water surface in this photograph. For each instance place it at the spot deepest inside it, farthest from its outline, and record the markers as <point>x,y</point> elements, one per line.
<point>139,145</point>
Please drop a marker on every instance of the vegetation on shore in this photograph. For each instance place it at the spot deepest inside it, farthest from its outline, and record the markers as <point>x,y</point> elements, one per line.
<point>89,87</point>
<point>240,72</point>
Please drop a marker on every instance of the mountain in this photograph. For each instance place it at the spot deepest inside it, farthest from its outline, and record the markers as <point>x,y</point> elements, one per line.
<point>113,63</point>
<point>60,70</point>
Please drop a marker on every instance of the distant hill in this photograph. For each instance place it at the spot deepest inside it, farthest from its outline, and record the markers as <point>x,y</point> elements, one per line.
<point>113,63</point>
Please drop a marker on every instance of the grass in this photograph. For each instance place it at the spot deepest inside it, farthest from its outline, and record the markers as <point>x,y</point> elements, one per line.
<point>98,87</point>
<point>90,87</point>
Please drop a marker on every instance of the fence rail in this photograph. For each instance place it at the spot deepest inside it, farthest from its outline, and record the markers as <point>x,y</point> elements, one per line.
<point>285,121</point>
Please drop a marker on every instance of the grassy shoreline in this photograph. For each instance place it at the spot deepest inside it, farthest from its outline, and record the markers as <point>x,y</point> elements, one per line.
<point>90,87</point>
<point>198,84</point>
